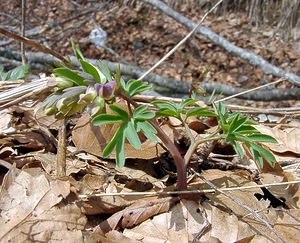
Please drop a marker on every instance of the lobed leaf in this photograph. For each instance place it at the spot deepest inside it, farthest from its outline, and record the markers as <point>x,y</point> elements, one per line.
<point>132,136</point>
<point>148,130</point>
<point>104,119</point>
<point>122,113</point>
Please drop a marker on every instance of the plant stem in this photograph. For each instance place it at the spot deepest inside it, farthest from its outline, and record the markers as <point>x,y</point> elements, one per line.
<point>194,146</point>
<point>179,160</point>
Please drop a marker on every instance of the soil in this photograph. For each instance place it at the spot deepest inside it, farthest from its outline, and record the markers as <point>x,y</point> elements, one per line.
<point>141,35</point>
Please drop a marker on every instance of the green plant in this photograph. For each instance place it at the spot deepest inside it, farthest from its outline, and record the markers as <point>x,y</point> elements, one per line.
<point>94,87</point>
<point>14,74</point>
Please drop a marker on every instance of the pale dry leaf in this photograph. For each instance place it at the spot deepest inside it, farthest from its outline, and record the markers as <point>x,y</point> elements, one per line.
<point>288,139</point>
<point>107,204</point>
<point>290,194</point>
<point>48,161</point>
<point>288,223</point>
<point>6,120</point>
<point>29,207</point>
<point>133,215</point>
<point>180,224</point>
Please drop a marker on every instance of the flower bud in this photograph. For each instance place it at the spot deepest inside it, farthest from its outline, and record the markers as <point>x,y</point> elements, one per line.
<point>107,90</point>
<point>60,82</point>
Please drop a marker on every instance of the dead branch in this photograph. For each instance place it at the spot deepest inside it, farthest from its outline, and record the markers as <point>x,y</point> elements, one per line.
<point>251,57</point>
<point>175,86</point>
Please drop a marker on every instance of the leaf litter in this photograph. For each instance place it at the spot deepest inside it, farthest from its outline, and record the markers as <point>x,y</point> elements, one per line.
<point>26,210</point>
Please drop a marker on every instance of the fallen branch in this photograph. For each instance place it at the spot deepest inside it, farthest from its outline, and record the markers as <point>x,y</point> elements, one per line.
<point>251,57</point>
<point>175,86</point>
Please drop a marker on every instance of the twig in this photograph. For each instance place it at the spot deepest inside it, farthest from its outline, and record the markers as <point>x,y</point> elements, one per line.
<point>23,30</point>
<point>250,90</point>
<point>181,42</point>
<point>34,44</point>
<point>61,151</point>
<point>170,193</point>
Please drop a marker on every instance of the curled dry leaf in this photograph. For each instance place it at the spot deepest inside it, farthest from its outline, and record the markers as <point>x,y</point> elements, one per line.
<point>133,215</point>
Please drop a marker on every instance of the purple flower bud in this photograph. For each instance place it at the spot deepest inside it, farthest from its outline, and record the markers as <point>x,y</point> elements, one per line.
<point>106,91</point>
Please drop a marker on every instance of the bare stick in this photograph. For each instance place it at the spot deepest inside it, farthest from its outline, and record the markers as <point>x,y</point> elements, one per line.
<point>23,31</point>
<point>34,44</point>
<point>250,90</point>
<point>181,42</point>
<point>61,151</point>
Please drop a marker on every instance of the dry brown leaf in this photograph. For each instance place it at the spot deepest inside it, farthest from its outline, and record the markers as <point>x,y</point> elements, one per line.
<point>133,215</point>
<point>29,209</point>
<point>48,161</point>
<point>289,193</point>
<point>106,204</point>
<point>288,139</point>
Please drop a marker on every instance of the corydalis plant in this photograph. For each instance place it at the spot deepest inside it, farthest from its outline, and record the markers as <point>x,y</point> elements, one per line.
<point>95,88</point>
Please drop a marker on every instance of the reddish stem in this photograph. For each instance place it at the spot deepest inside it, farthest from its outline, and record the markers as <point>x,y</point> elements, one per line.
<point>179,160</point>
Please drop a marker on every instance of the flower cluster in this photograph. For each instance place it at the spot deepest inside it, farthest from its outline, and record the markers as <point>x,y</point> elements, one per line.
<point>69,99</point>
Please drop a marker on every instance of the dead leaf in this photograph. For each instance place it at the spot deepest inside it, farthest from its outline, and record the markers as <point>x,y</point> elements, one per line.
<point>133,215</point>
<point>29,209</point>
<point>288,139</point>
<point>290,194</point>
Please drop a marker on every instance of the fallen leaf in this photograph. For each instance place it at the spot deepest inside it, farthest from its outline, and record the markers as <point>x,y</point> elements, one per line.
<point>133,215</point>
<point>288,139</point>
<point>30,209</point>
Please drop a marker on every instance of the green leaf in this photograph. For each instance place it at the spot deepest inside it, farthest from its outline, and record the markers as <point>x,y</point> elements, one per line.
<point>139,110</point>
<point>238,149</point>
<point>71,75</point>
<point>236,123</point>
<point>18,72</point>
<point>112,143</point>
<point>148,130</point>
<point>91,69</point>
<point>104,119</point>
<point>134,87</point>
<point>262,138</point>
<point>266,154</point>
<point>199,111</point>
<point>184,103</point>
<point>105,70</point>
<point>122,113</point>
<point>167,112</point>
<point>257,157</point>
<point>77,51</point>
<point>120,153</point>
<point>141,113</point>
<point>165,105</point>
<point>132,135</point>
<point>221,113</point>
<point>246,129</point>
